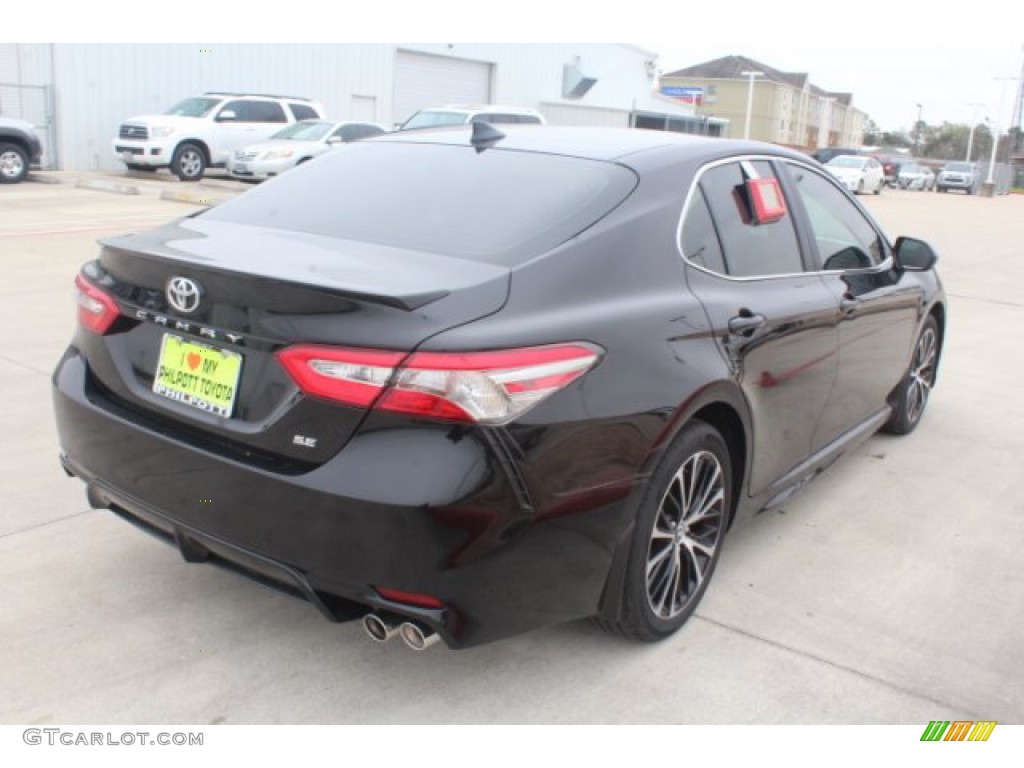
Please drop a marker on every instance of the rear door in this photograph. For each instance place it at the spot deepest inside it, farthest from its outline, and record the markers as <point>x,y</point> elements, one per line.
<point>773,318</point>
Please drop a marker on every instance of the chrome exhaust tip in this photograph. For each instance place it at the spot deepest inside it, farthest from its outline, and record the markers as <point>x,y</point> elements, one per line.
<point>380,630</point>
<point>416,637</point>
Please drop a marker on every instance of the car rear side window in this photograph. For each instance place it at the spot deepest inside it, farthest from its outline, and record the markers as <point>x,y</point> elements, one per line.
<point>700,241</point>
<point>749,249</point>
<point>266,112</point>
<point>845,238</point>
<point>497,206</point>
<point>303,111</point>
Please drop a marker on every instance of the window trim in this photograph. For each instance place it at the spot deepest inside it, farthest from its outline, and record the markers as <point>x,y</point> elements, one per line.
<point>737,159</point>
<point>799,223</point>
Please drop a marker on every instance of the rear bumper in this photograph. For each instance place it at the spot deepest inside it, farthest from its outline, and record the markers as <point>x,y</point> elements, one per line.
<point>258,169</point>
<point>424,509</point>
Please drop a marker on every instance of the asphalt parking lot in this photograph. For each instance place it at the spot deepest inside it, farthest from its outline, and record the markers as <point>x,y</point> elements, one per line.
<point>888,591</point>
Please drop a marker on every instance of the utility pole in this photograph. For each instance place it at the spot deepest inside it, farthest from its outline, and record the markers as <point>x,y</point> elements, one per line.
<point>1018,106</point>
<point>988,188</point>
<point>751,74</point>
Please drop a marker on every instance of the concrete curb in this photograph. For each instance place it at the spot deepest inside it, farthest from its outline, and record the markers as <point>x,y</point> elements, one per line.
<point>195,198</point>
<point>109,186</point>
<point>234,186</point>
<point>40,179</point>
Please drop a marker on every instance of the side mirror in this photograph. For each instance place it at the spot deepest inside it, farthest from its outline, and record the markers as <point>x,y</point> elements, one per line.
<point>226,114</point>
<point>335,140</point>
<point>914,255</point>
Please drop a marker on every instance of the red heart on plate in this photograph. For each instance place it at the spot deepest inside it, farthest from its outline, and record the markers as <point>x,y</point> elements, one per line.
<point>193,360</point>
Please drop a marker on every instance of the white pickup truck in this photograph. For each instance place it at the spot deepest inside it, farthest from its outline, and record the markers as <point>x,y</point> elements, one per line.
<point>202,131</point>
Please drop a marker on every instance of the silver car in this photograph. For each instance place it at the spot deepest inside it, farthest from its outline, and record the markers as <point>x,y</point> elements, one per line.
<point>916,176</point>
<point>294,145</point>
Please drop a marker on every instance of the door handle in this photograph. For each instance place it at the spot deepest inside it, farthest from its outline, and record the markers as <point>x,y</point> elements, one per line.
<point>745,323</point>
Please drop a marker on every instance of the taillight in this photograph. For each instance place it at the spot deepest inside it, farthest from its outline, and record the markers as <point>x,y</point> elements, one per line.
<point>96,309</point>
<point>480,387</point>
<point>351,376</point>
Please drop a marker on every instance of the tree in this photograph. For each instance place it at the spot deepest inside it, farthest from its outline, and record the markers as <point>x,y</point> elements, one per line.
<point>872,133</point>
<point>894,139</point>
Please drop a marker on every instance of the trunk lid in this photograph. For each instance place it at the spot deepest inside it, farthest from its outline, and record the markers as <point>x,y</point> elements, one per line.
<point>260,290</point>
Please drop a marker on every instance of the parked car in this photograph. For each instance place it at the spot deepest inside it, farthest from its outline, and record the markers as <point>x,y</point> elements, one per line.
<point>295,145</point>
<point>963,175</point>
<point>417,382</point>
<point>916,176</point>
<point>825,154</point>
<point>202,131</point>
<point>891,165</point>
<point>460,114</point>
<point>859,174</point>
<point>20,148</point>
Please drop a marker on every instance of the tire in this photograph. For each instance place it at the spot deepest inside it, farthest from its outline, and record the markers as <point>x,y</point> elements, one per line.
<point>878,189</point>
<point>666,550</point>
<point>860,187</point>
<point>13,164</point>
<point>911,396</point>
<point>189,162</point>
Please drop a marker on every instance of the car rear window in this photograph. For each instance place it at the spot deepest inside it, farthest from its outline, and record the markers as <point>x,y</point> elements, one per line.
<point>496,206</point>
<point>434,118</point>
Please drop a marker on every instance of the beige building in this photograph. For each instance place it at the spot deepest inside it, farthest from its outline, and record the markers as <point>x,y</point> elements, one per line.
<point>787,108</point>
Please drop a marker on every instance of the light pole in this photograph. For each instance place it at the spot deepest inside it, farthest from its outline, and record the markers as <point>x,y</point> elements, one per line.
<point>750,74</point>
<point>917,130</point>
<point>974,123</point>
<point>988,188</point>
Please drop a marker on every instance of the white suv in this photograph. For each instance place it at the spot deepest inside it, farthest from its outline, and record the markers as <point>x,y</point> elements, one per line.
<point>460,114</point>
<point>201,132</point>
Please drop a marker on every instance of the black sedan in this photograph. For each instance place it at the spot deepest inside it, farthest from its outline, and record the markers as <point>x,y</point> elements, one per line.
<point>466,383</point>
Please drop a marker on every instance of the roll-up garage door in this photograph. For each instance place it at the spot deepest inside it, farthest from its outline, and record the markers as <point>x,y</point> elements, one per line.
<point>423,81</point>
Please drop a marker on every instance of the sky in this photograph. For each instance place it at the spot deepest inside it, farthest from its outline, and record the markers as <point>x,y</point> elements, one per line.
<point>890,55</point>
<point>887,82</point>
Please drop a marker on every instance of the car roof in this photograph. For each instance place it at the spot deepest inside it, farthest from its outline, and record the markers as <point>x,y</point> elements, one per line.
<point>474,108</point>
<point>268,96</point>
<point>591,143</point>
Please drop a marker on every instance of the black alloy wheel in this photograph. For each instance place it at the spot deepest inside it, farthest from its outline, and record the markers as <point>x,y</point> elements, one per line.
<point>911,396</point>
<point>678,535</point>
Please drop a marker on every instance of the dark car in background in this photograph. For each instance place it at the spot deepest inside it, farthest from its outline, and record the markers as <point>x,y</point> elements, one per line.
<point>891,165</point>
<point>825,154</point>
<point>20,149</point>
<point>466,383</point>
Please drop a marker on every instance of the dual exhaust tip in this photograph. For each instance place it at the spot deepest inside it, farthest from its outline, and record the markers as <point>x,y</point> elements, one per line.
<point>415,635</point>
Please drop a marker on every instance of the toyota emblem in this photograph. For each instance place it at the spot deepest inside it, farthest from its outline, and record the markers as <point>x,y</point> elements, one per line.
<point>183,294</point>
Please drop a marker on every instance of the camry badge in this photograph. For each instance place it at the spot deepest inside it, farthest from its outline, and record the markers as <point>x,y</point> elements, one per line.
<point>183,294</point>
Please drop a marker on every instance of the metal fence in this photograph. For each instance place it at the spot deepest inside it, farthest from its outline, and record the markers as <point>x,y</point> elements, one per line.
<point>34,103</point>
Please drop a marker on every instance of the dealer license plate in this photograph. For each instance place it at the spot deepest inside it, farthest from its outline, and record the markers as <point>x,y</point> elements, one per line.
<point>197,375</point>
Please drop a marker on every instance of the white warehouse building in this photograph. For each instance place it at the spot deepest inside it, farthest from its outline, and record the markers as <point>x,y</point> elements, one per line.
<point>78,94</point>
